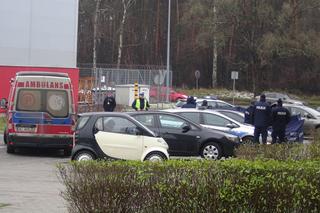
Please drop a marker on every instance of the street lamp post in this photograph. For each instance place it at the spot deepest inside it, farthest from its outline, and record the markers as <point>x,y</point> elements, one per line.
<point>168,52</point>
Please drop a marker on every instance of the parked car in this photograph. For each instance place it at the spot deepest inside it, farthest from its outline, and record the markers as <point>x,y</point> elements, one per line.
<point>216,120</point>
<point>117,136</point>
<point>187,138</point>
<point>174,96</point>
<point>212,103</point>
<point>272,97</point>
<point>311,117</point>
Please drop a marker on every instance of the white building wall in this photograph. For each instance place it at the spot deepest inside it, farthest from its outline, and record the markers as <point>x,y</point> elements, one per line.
<point>40,33</point>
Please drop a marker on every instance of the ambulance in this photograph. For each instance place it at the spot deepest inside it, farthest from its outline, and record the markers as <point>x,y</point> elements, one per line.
<point>40,111</point>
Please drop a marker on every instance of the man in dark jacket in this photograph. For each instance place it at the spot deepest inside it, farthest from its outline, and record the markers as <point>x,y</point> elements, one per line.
<point>248,113</point>
<point>280,118</point>
<point>109,103</point>
<point>191,103</point>
<point>140,104</point>
<point>261,117</point>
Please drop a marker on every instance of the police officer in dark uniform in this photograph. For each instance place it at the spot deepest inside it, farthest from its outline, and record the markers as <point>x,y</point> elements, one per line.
<point>280,118</point>
<point>261,117</point>
<point>109,103</point>
<point>191,103</point>
<point>248,113</point>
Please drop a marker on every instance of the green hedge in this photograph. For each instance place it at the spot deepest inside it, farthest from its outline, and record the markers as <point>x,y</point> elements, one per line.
<point>192,186</point>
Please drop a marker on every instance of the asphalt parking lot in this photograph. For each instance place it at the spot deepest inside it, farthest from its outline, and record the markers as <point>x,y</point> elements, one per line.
<point>29,181</point>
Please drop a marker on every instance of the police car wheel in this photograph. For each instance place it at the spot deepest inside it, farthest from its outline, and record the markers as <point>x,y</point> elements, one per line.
<point>247,140</point>
<point>211,151</point>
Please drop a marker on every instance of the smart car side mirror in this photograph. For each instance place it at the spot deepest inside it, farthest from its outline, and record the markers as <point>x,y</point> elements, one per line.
<point>3,103</point>
<point>309,116</point>
<point>186,128</point>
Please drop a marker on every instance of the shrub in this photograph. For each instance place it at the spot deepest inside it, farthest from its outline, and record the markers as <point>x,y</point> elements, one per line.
<point>286,151</point>
<point>192,186</point>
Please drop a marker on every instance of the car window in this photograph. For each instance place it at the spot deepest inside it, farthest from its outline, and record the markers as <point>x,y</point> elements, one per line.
<point>54,102</point>
<point>57,103</point>
<point>223,105</point>
<point>147,120</point>
<point>211,104</point>
<point>98,125</point>
<point>119,125</point>
<point>234,116</point>
<point>168,121</point>
<point>271,95</point>
<point>82,121</point>
<point>29,100</point>
<point>193,116</point>
<point>297,111</point>
<point>215,120</point>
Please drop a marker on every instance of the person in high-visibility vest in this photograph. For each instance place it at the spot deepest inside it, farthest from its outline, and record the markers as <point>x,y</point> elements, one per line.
<point>140,103</point>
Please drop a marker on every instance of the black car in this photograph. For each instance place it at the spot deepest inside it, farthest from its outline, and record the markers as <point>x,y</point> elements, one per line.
<point>187,138</point>
<point>102,135</point>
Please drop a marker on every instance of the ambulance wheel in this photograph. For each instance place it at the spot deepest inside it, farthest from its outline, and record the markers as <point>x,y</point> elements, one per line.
<point>67,152</point>
<point>5,139</point>
<point>10,149</point>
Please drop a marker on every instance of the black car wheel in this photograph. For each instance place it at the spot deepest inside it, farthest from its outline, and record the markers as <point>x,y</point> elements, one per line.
<point>211,151</point>
<point>155,157</point>
<point>84,155</point>
<point>10,149</point>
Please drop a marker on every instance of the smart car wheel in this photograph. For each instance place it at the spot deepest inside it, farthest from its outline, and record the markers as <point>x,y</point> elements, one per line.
<point>155,157</point>
<point>211,151</point>
<point>84,155</point>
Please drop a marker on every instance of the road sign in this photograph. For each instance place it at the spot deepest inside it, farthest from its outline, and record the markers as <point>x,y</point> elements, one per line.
<point>234,75</point>
<point>197,74</point>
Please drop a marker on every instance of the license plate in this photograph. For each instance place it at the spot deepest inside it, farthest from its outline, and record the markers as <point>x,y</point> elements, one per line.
<point>25,129</point>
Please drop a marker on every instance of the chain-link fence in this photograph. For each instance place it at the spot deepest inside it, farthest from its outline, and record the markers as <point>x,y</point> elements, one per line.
<point>96,83</point>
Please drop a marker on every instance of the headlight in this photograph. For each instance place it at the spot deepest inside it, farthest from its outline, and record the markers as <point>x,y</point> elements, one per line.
<point>233,138</point>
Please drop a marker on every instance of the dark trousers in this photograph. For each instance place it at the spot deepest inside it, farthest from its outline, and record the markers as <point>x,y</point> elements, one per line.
<point>278,133</point>
<point>260,130</point>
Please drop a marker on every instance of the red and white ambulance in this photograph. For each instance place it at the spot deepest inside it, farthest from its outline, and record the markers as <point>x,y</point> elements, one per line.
<point>40,111</point>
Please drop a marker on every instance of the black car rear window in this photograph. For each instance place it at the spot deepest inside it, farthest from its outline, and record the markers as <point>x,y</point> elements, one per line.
<point>82,122</point>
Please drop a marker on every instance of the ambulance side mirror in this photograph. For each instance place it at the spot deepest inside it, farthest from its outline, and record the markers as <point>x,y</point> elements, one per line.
<point>4,103</point>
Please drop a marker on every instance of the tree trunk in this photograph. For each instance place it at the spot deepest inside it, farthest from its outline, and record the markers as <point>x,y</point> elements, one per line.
<point>94,58</point>
<point>214,52</point>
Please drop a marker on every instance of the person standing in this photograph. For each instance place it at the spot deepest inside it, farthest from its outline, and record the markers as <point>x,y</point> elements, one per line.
<point>191,103</point>
<point>248,113</point>
<point>109,103</point>
<point>140,103</point>
<point>261,117</point>
<point>280,118</point>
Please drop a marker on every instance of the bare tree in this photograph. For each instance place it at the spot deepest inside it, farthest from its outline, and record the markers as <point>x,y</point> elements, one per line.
<point>126,6</point>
